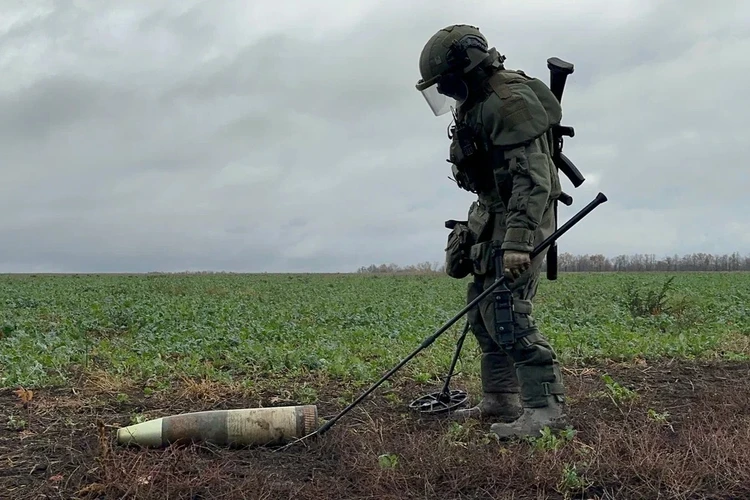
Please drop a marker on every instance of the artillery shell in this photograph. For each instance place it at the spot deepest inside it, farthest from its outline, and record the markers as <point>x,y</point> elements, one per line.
<point>248,426</point>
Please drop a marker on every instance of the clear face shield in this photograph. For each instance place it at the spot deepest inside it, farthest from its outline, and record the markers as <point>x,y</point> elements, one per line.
<point>448,93</point>
<point>438,103</point>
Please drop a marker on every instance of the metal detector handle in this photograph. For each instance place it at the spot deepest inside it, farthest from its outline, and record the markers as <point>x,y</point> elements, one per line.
<point>600,198</point>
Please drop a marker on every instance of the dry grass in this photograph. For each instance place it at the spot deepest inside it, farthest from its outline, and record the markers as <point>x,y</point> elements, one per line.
<point>691,445</point>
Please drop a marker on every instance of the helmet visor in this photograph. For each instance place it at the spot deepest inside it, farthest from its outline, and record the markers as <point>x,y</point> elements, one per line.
<point>439,103</point>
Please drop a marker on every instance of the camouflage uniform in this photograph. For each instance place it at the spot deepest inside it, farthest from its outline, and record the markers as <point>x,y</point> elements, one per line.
<point>500,150</point>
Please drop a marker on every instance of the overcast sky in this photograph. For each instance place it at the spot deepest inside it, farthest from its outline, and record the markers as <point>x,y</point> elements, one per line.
<point>255,136</point>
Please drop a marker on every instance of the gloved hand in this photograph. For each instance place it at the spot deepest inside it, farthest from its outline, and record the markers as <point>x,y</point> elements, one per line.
<point>515,263</point>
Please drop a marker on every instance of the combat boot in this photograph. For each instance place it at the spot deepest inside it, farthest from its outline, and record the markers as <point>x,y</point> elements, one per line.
<point>505,406</point>
<point>533,420</point>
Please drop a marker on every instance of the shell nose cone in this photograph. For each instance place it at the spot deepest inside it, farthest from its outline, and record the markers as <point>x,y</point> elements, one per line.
<point>144,434</point>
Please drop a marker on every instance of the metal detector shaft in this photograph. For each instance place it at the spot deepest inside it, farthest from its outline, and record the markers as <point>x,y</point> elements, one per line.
<point>600,198</point>
<point>459,345</point>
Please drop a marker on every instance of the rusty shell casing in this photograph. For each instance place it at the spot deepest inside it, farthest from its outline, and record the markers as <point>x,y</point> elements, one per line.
<point>239,427</point>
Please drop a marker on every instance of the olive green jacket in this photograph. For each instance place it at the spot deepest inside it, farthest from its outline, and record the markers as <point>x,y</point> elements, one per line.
<point>512,171</point>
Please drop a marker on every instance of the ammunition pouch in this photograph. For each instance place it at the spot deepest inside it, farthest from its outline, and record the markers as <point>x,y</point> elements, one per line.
<point>457,251</point>
<point>479,220</point>
<point>481,258</point>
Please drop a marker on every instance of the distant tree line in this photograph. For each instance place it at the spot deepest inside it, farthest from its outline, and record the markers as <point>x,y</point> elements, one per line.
<point>648,262</point>
<point>569,263</point>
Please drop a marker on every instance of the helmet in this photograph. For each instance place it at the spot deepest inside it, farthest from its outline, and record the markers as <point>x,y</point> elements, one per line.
<point>445,58</point>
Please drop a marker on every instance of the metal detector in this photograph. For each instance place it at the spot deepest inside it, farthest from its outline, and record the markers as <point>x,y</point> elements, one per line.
<point>600,198</point>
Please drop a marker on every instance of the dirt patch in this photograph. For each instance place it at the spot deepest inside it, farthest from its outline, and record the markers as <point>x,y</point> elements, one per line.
<point>673,430</point>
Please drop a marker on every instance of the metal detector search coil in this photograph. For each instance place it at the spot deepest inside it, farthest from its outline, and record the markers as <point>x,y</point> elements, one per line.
<point>447,399</point>
<point>440,402</point>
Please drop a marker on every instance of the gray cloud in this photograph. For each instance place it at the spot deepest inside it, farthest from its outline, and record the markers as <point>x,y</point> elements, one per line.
<point>274,136</point>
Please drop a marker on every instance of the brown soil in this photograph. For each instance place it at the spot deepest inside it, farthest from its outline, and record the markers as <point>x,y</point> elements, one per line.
<point>66,448</point>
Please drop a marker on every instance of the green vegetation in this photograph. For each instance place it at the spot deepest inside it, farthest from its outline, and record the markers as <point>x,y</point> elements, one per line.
<point>250,328</point>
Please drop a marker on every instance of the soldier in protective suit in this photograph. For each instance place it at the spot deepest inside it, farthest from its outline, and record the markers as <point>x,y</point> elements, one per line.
<point>501,150</point>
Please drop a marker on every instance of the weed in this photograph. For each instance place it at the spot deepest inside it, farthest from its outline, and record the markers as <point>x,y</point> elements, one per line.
<point>393,398</point>
<point>572,481</point>
<point>15,424</point>
<point>617,393</point>
<point>306,395</point>
<point>458,433</point>
<point>660,418</point>
<point>137,418</point>
<point>642,302</point>
<point>388,461</point>
<point>551,441</point>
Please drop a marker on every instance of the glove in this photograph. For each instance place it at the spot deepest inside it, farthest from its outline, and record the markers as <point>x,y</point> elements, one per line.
<point>515,263</point>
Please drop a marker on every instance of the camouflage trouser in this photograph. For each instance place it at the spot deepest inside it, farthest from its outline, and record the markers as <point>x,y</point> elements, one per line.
<point>530,365</point>
<point>498,372</point>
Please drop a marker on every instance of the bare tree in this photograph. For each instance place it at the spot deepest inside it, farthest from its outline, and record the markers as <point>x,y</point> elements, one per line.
<point>569,263</point>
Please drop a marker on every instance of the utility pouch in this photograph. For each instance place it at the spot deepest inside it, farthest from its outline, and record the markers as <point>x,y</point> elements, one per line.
<point>479,218</point>
<point>481,258</point>
<point>504,321</point>
<point>457,251</point>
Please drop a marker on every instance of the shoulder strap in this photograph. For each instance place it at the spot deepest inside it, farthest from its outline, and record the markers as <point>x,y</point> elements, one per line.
<point>525,110</point>
<point>500,80</point>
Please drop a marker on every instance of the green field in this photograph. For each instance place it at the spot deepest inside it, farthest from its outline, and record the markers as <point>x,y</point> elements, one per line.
<point>250,328</point>
<point>655,367</point>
